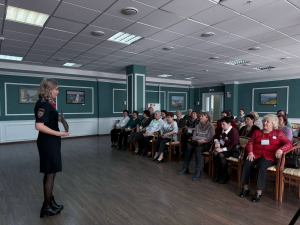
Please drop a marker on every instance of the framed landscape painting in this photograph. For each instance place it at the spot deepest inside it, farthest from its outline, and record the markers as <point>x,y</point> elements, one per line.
<point>28,95</point>
<point>268,99</point>
<point>75,97</point>
<point>177,101</point>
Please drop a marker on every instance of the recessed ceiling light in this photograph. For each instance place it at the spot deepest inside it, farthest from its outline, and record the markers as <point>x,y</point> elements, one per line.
<point>237,62</point>
<point>207,34</point>
<point>26,16</point>
<point>124,38</point>
<point>72,65</point>
<point>164,75</point>
<point>247,64</point>
<point>129,11</point>
<point>285,57</point>
<point>58,59</point>
<point>9,57</point>
<point>189,78</point>
<point>168,48</point>
<point>97,33</point>
<point>205,70</point>
<point>265,68</point>
<point>214,57</point>
<point>254,48</point>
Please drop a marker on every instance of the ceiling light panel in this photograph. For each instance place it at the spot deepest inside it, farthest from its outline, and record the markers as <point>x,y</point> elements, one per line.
<point>265,68</point>
<point>124,38</point>
<point>9,57</point>
<point>237,62</point>
<point>72,65</point>
<point>190,78</point>
<point>164,75</point>
<point>26,16</point>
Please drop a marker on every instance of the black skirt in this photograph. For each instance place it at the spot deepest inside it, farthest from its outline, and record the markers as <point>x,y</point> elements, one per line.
<point>135,137</point>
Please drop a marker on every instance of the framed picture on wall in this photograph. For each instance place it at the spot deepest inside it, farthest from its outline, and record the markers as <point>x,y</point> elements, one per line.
<point>28,95</point>
<point>268,99</point>
<point>75,97</point>
<point>177,101</point>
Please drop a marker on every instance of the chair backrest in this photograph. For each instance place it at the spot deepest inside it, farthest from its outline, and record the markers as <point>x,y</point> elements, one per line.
<point>295,126</point>
<point>296,140</point>
<point>244,140</point>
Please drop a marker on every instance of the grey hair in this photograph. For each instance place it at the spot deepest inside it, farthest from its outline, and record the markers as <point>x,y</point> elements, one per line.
<point>255,114</point>
<point>157,111</point>
<point>273,118</point>
<point>190,109</point>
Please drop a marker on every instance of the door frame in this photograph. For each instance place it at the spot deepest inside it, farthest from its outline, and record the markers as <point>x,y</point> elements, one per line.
<point>204,95</point>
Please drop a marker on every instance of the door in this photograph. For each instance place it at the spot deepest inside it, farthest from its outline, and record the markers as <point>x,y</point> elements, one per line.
<point>213,104</point>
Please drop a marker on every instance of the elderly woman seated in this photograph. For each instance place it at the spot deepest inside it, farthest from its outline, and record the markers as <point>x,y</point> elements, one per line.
<point>282,125</point>
<point>226,114</point>
<point>225,140</point>
<point>257,121</point>
<point>247,131</point>
<point>283,113</point>
<point>127,130</point>
<point>263,148</point>
<point>138,135</point>
<point>155,125</point>
<point>169,128</point>
<point>118,128</point>
<point>203,135</point>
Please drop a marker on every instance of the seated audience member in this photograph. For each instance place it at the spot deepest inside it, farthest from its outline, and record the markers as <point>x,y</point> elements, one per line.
<point>230,114</point>
<point>124,134</point>
<point>189,115</point>
<point>282,122</point>
<point>226,114</point>
<point>138,135</point>
<point>203,134</point>
<point>118,128</point>
<point>247,131</point>
<point>282,112</point>
<point>155,125</point>
<point>163,115</point>
<point>169,128</point>
<point>257,121</point>
<point>180,121</point>
<point>297,132</point>
<point>189,128</point>
<point>241,118</point>
<point>263,148</point>
<point>150,109</point>
<point>225,140</point>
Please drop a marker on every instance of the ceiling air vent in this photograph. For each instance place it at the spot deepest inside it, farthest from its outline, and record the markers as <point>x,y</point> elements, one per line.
<point>265,68</point>
<point>237,62</point>
<point>214,57</point>
<point>97,33</point>
<point>129,11</point>
<point>168,48</point>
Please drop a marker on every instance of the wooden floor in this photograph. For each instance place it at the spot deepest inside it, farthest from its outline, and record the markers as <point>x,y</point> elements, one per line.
<point>100,185</point>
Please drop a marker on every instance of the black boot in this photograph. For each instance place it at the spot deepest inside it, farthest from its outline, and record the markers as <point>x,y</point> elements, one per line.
<point>216,177</point>
<point>183,170</point>
<point>224,177</point>
<point>54,205</point>
<point>48,210</point>
<point>197,175</point>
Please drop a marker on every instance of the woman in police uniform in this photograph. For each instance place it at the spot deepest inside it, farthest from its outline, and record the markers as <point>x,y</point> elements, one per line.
<point>48,142</point>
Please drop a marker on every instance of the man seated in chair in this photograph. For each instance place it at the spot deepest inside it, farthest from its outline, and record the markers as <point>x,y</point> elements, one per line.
<point>203,135</point>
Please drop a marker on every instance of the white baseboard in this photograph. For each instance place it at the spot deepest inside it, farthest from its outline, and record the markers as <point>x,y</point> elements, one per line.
<point>106,124</point>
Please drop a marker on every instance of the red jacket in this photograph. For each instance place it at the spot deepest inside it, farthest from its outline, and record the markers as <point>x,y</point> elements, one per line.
<point>277,140</point>
<point>233,124</point>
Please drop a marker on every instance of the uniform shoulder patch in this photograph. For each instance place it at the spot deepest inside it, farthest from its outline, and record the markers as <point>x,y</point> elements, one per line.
<point>40,112</point>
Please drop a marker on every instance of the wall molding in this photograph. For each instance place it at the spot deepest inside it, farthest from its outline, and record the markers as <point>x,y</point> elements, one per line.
<point>144,90</point>
<point>178,93</point>
<point>164,92</point>
<point>287,97</point>
<point>111,81</point>
<point>114,89</point>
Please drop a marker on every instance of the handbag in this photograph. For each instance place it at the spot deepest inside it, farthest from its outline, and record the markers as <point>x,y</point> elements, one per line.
<point>236,151</point>
<point>64,122</point>
<point>291,160</point>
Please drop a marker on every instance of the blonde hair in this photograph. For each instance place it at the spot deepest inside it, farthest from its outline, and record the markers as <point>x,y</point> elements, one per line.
<point>256,116</point>
<point>46,86</point>
<point>273,118</point>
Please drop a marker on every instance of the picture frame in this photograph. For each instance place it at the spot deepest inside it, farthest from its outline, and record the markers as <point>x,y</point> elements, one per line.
<point>28,95</point>
<point>269,98</point>
<point>177,101</point>
<point>75,97</point>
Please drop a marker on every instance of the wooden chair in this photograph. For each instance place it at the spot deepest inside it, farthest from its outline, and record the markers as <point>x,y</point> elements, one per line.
<point>156,133</point>
<point>174,144</point>
<point>130,143</point>
<point>295,126</point>
<point>287,175</point>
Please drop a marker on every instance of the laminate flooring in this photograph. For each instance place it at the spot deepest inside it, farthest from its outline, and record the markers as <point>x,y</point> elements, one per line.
<point>103,185</point>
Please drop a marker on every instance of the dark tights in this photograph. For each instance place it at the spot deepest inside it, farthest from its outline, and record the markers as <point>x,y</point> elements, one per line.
<point>48,187</point>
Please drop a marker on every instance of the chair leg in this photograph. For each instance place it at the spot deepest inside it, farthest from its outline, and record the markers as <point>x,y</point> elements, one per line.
<point>130,146</point>
<point>170,152</point>
<point>276,187</point>
<point>152,148</point>
<point>281,188</point>
<point>230,169</point>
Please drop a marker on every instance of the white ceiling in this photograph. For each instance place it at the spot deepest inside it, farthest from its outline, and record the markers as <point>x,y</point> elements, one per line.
<point>272,25</point>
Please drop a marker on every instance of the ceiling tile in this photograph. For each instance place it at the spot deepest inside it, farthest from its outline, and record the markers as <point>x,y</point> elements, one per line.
<point>267,37</point>
<point>169,56</point>
<point>32,56</point>
<point>142,30</point>
<point>71,51</point>
<point>203,46</point>
<point>235,24</point>
<point>65,25</point>
<point>57,34</point>
<point>85,58</point>
<point>187,27</point>
<point>295,2</point>
<point>63,55</point>
<point>148,43</point>
<point>143,10</point>
<point>186,41</point>
<point>36,59</point>
<point>291,31</point>
<point>214,15</point>
<point>2,8</point>
<point>42,6</point>
<point>93,54</point>
<point>241,44</point>
<point>154,3</point>
<point>21,27</point>
<point>252,30</point>
<point>79,61</point>
<point>87,40</point>
<point>243,7</point>
<point>187,8</point>
<point>281,42</point>
<point>161,47</point>
<point>93,4</point>
<point>40,52</point>
<point>13,49</point>
<point>76,13</point>
<point>78,46</point>
<point>219,49</point>
<point>112,45</point>
<point>284,21</point>
<point>165,36</point>
<point>107,33</point>
<point>101,50</point>
<point>112,22</point>
<point>122,54</point>
<point>153,53</point>
<point>140,57</point>
<point>18,36</point>
<point>47,48</point>
<point>184,51</point>
<point>161,19</point>
<point>20,44</point>
<point>234,53</point>
<point>50,41</point>
<point>134,49</point>
<point>272,11</point>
